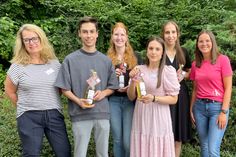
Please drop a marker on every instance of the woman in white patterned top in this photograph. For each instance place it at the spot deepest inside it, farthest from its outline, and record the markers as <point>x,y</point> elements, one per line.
<point>29,86</point>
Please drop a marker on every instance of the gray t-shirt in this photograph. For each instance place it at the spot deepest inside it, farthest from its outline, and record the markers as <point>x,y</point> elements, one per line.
<point>35,86</point>
<point>74,72</point>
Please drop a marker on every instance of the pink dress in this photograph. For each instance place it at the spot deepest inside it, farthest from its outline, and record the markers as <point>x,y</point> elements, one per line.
<point>152,134</point>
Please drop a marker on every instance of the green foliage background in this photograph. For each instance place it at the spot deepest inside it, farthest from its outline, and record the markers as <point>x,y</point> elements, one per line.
<point>59,18</point>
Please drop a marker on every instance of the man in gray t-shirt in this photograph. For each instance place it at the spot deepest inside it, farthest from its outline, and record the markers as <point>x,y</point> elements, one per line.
<point>72,79</point>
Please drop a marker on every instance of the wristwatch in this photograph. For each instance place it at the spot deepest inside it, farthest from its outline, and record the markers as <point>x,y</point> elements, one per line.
<point>224,111</point>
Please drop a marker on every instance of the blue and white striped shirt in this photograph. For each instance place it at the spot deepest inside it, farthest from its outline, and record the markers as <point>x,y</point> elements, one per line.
<point>35,87</point>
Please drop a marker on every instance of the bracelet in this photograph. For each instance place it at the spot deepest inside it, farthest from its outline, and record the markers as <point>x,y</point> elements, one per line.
<point>154,99</point>
<point>224,111</point>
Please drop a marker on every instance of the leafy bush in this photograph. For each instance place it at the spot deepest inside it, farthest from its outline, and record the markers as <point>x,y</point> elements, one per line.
<point>2,76</point>
<point>7,36</point>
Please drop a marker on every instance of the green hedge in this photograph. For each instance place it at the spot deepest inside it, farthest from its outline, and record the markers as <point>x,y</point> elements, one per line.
<point>58,18</point>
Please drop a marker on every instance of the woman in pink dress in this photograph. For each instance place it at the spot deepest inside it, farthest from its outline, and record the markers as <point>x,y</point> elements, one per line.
<point>151,134</point>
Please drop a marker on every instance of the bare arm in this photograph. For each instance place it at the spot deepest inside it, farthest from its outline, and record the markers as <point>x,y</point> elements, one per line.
<point>193,99</point>
<point>108,92</point>
<point>222,119</point>
<point>131,91</point>
<point>11,90</point>
<point>170,100</point>
<point>228,90</point>
<point>99,95</point>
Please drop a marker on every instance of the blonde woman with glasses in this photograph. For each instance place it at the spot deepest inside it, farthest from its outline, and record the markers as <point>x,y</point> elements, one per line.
<point>30,87</point>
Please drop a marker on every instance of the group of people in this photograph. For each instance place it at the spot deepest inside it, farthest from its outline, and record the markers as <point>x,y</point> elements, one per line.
<point>153,125</point>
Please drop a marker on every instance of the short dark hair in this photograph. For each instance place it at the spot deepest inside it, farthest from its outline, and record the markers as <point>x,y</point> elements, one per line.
<point>88,19</point>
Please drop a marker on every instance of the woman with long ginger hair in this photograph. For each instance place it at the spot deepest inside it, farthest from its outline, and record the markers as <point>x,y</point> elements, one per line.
<point>124,59</point>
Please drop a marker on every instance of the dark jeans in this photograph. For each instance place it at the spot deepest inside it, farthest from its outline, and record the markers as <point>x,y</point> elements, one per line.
<point>32,125</point>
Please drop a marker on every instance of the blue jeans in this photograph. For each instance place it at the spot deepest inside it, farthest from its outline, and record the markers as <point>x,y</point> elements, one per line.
<point>32,125</point>
<point>82,132</point>
<point>121,109</point>
<point>206,115</point>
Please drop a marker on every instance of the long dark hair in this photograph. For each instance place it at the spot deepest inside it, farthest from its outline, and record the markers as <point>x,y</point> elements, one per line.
<point>163,58</point>
<point>179,51</point>
<point>214,51</point>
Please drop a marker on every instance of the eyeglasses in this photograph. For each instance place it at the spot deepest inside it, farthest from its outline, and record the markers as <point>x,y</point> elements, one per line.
<point>33,40</point>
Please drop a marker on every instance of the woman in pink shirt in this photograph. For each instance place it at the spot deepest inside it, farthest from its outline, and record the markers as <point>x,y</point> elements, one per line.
<point>211,74</point>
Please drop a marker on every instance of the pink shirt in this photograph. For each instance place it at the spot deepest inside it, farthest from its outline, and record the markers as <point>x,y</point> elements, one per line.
<point>209,78</point>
